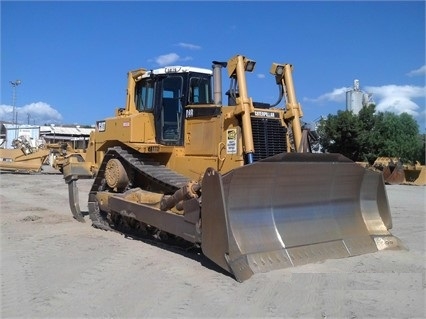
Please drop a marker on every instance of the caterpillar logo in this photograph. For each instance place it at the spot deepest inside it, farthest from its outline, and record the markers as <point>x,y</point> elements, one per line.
<point>266,114</point>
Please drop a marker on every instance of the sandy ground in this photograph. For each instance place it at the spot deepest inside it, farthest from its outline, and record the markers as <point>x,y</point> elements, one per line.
<point>55,267</point>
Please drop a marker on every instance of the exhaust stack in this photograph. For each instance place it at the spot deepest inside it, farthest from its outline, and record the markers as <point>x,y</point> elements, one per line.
<point>217,81</point>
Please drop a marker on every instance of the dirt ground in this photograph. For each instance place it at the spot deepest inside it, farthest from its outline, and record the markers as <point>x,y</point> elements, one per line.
<point>54,267</point>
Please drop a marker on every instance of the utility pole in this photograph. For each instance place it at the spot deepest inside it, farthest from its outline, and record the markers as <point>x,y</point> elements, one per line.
<point>14,85</point>
<point>15,114</point>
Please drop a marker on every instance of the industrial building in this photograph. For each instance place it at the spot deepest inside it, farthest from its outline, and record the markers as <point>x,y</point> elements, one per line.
<point>76,136</point>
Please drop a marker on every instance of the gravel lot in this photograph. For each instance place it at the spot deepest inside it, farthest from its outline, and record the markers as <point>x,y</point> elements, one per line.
<point>55,267</point>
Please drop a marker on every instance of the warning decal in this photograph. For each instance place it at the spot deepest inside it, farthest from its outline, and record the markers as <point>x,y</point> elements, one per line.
<point>231,141</point>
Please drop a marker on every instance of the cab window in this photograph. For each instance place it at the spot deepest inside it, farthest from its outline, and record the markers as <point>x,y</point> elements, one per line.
<point>200,90</point>
<point>144,97</point>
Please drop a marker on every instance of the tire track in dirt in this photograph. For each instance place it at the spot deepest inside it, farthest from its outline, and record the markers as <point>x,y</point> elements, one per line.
<point>14,286</point>
<point>73,296</point>
<point>56,267</point>
<point>30,279</point>
<point>103,279</point>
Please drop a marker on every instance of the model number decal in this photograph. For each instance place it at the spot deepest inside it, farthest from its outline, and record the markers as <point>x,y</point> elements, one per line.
<point>189,113</point>
<point>101,126</point>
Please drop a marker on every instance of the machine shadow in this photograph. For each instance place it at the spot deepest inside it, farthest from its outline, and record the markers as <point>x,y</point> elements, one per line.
<point>174,245</point>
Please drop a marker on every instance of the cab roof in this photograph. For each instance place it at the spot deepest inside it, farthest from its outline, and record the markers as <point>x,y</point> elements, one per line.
<point>177,69</point>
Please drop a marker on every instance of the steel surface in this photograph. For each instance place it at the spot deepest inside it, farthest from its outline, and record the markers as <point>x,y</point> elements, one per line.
<point>294,209</point>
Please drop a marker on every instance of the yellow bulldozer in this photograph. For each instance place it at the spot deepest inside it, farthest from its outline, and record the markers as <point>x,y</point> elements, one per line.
<point>237,181</point>
<point>23,157</point>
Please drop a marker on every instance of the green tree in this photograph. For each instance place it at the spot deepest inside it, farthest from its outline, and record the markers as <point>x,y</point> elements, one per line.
<point>367,135</point>
<point>370,134</point>
<point>339,134</point>
<point>422,151</point>
<point>398,136</point>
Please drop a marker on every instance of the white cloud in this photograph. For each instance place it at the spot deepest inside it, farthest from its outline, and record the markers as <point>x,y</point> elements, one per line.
<point>396,98</point>
<point>170,59</point>
<point>6,113</point>
<point>388,98</point>
<point>260,76</point>
<point>189,46</point>
<point>167,59</point>
<point>337,95</point>
<point>418,72</point>
<point>187,58</point>
<point>36,113</point>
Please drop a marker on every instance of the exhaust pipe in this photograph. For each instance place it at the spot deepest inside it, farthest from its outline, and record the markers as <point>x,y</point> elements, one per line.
<point>217,81</point>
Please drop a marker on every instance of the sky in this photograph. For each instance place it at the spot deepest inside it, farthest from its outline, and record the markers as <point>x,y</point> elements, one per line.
<point>72,57</point>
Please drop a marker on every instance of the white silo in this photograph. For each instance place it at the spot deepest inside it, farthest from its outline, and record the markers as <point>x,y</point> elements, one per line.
<point>354,98</point>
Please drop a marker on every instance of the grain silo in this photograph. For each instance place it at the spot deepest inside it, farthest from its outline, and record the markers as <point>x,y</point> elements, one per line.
<point>354,98</point>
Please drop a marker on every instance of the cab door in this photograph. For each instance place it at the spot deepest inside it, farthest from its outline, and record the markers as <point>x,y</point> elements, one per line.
<point>170,121</point>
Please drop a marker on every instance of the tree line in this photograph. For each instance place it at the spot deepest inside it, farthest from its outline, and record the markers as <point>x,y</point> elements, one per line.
<point>370,134</point>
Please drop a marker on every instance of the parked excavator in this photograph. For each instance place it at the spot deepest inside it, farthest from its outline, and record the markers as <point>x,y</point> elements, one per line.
<point>236,180</point>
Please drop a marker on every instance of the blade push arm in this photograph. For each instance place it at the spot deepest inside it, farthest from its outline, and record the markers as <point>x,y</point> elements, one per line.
<point>237,66</point>
<point>293,113</point>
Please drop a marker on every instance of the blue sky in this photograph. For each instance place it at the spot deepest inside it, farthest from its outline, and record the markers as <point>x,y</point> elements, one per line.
<point>73,57</point>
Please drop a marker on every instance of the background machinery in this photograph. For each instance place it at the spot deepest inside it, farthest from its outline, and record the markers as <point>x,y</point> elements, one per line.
<point>23,157</point>
<point>395,172</point>
<point>236,180</point>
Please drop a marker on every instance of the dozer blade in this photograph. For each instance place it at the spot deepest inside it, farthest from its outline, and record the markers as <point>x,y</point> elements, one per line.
<point>292,209</point>
<point>394,174</point>
<point>421,180</point>
<point>416,176</point>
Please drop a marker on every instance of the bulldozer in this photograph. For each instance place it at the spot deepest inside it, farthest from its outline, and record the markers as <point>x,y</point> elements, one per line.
<point>59,152</point>
<point>238,181</point>
<point>23,157</point>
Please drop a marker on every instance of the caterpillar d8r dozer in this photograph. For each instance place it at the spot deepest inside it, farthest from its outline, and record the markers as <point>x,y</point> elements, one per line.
<point>238,181</point>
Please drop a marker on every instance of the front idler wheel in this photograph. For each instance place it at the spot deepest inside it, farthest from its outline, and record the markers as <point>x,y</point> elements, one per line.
<point>116,175</point>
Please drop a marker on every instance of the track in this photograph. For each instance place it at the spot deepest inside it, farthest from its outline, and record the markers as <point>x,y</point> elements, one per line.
<point>157,175</point>
<point>139,166</point>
